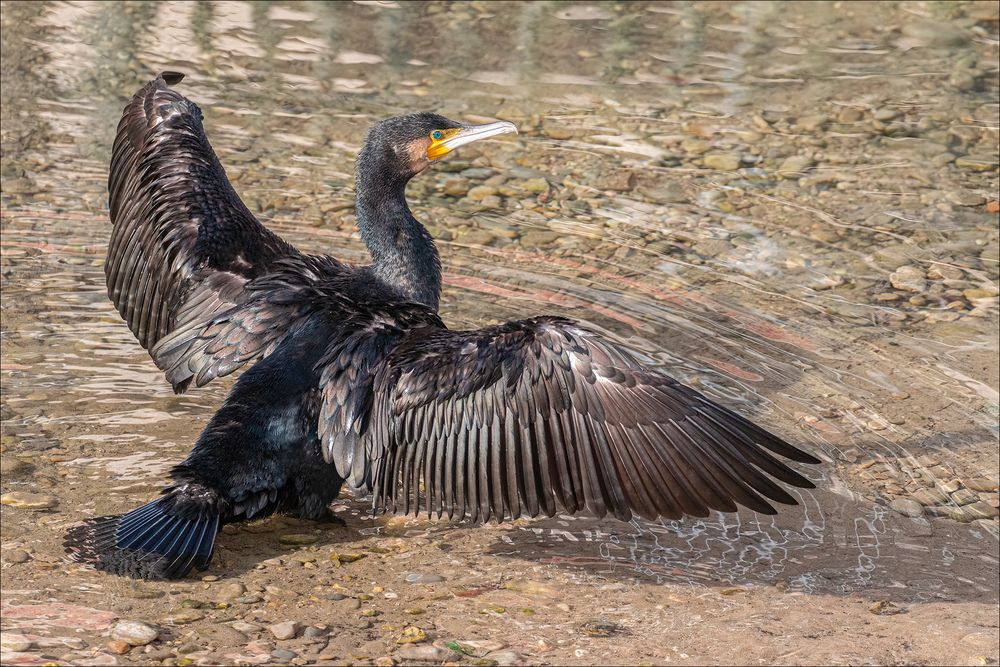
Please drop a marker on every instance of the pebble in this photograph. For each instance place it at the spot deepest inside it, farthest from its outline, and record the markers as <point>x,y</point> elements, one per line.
<point>480,192</point>
<point>964,497</point>
<point>17,556</point>
<point>885,608</point>
<point>428,653</point>
<point>183,617</point>
<point>456,187</point>
<point>283,654</point>
<point>929,497</point>
<point>506,658</point>
<point>964,198</point>
<point>537,185</point>
<point>244,627</point>
<point>422,578</point>
<point>229,592</point>
<point>601,628</point>
<point>477,648</point>
<point>412,635</point>
<point>978,293</point>
<point>907,507</point>
<point>722,161</point>
<point>908,278</point>
<point>812,122</point>
<point>13,641</point>
<point>981,484</point>
<point>667,193</point>
<point>980,510</point>
<point>945,272</point>
<point>977,162</point>
<point>29,501</point>
<point>286,630</point>
<point>135,633</point>
<point>950,486</point>
<point>793,166</point>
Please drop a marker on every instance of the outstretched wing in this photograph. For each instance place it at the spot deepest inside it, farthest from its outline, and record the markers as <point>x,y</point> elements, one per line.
<point>525,417</point>
<point>183,245</point>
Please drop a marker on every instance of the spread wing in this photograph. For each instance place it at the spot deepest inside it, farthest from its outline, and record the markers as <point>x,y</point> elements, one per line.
<point>529,416</point>
<point>184,248</point>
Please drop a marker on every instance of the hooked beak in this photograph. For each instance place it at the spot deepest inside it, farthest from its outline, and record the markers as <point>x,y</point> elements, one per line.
<point>467,135</point>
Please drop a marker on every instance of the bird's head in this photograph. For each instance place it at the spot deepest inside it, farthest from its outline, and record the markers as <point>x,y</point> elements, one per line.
<point>402,147</point>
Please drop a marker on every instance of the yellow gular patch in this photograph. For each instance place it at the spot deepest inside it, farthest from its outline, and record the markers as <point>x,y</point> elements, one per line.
<point>437,148</point>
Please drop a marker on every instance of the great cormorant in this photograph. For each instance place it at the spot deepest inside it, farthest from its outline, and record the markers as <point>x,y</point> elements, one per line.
<point>356,379</point>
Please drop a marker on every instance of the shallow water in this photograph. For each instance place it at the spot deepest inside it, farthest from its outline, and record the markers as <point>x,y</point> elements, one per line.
<point>730,190</point>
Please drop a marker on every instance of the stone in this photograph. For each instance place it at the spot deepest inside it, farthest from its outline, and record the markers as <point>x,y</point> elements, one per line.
<point>950,486</point>
<point>480,192</point>
<point>722,161</point>
<point>886,113</point>
<point>811,122</point>
<point>422,578</point>
<point>964,497</point>
<point>17,556</point>
<point>12,641</point>
<point>428,653</point>
<point>412,635</point>
<point>456,187</point>
<point>885,608</point>
<point>537,185</point>
<point>907,507</point>
<point>29,501</point>
<point>283,654</point>
<point>229,592</point>
<point>964,198</point>
<point>506,658</point>
<point>944,272</point>
<point>667,193</point>
<point>183,617</point>
<point>244,627</point>
<point>977,162</point>
<point>982,484</point>
<point>929,497</point>
<point>793,166</point>
<point>908,278</point>
<point>980,510</point>
<point>977,293</point>
<point>477,648</point>
<point>619,181</point>
<point>135,633</point>
<point>286,630</point>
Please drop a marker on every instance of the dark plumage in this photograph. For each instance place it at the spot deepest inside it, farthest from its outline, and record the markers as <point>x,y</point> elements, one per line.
<point>356,379</point>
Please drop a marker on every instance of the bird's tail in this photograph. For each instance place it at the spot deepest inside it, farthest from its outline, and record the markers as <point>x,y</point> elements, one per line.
<point>156,541</point>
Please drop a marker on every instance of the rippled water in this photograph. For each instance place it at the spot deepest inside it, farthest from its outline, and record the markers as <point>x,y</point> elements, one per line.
<point>669,216</point>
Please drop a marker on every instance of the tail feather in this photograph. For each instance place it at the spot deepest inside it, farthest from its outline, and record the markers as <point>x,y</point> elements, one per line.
<point>147,543</point>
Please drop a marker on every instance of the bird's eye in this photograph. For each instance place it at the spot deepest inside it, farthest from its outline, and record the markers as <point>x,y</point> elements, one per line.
<point>437,135</point>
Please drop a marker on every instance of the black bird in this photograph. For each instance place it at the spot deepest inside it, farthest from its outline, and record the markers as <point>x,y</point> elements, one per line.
<point>356,379</point>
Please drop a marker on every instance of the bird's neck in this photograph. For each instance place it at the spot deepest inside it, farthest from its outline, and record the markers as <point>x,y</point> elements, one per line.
<point>403,253</point>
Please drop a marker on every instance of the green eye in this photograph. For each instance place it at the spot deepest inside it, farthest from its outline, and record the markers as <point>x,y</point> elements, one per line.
<point>436,135</point>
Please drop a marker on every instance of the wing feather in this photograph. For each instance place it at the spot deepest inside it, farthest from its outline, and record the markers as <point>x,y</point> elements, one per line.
<point>185,253</point>
<point>542,415</point>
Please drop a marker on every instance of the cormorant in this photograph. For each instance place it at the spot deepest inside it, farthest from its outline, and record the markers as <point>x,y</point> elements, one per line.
<point>356,379</point>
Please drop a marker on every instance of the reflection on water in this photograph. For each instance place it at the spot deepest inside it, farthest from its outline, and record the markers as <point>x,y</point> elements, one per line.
<point>787,206</point>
